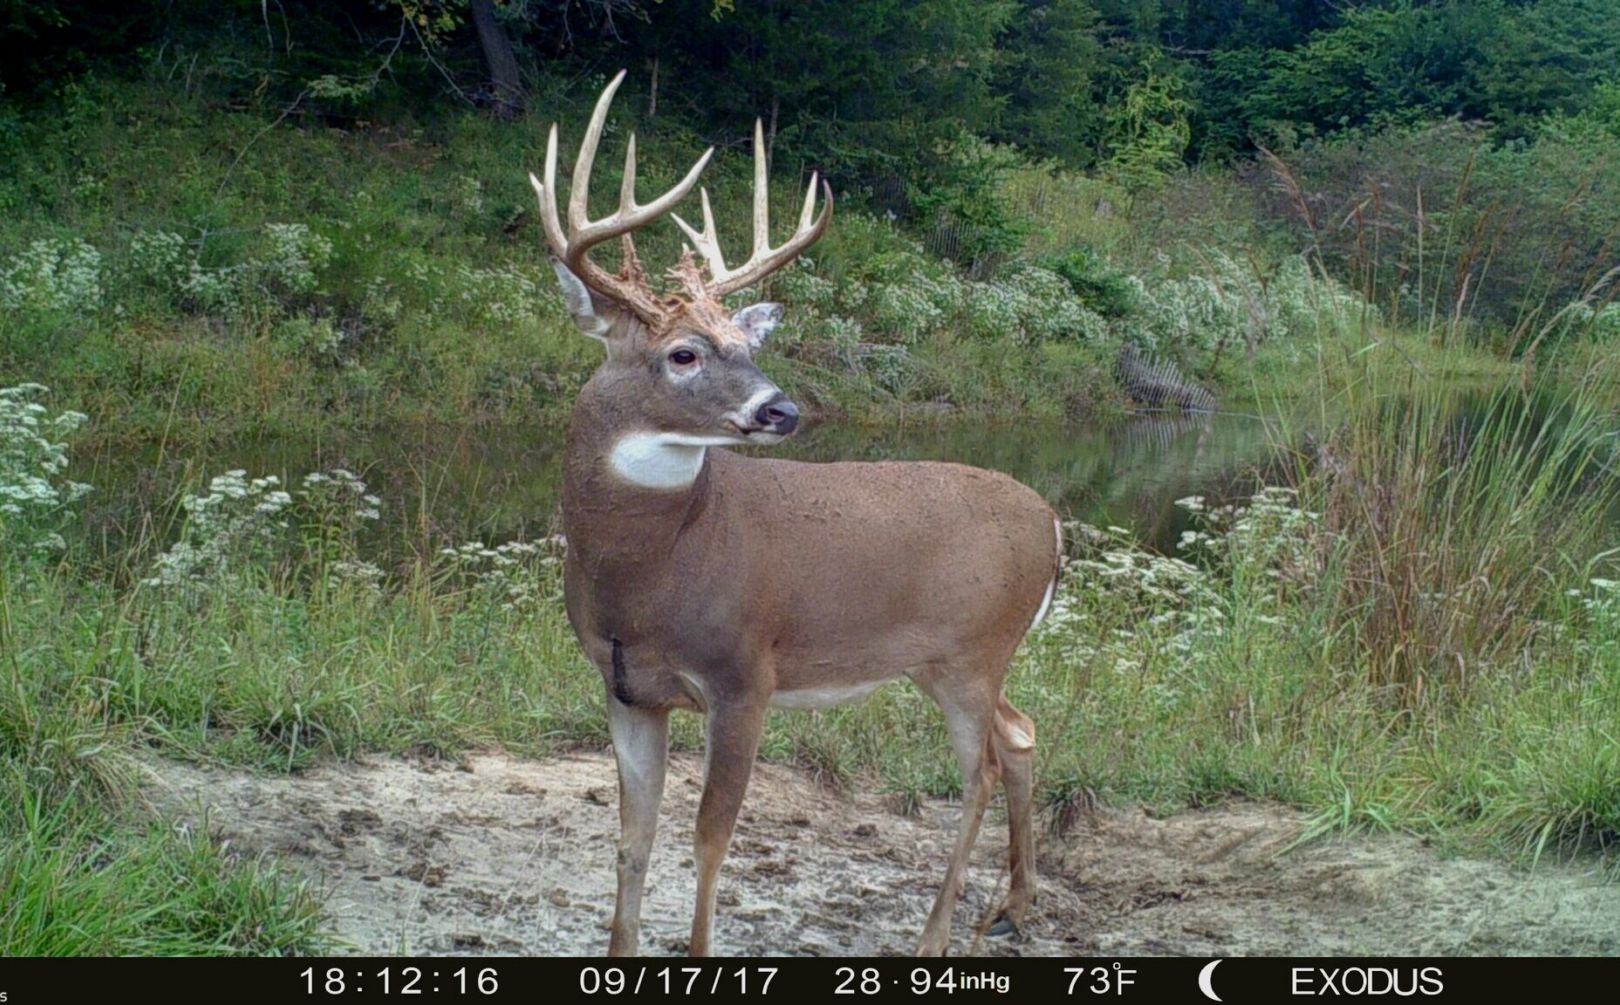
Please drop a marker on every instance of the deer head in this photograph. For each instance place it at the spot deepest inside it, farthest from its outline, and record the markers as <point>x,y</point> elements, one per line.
<point>678,361</point>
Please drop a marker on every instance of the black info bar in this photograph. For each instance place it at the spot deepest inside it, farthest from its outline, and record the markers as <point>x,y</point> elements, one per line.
<point>492,979</point>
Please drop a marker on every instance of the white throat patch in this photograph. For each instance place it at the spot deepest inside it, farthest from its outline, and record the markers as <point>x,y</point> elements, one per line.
<point>662,460</point>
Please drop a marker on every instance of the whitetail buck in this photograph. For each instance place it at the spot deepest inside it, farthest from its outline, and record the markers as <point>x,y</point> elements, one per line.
<point>706,580</point>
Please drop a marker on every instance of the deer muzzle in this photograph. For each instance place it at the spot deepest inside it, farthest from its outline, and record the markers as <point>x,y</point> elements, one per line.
<point>779,415</point>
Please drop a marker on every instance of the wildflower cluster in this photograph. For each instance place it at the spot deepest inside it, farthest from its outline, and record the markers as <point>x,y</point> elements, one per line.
<point>1030,304</point>
<point>232,524</point>
<point>337,503</point>
<point>242,523</point>
<point>52,275</point>
<point>514,577</point>
<point>294,257</point>
<point>1118,602</point>
<point>35,496</point>
<point>158,259</point>
<point>872,321</point>
<point>1117,594</point>
<point>1269,542</point>
<point>502,294</point>
<point>285,269</point>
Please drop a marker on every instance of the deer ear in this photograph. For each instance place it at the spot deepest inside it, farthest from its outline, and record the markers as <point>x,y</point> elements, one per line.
<point>593,314</point>
<point>757,321</point>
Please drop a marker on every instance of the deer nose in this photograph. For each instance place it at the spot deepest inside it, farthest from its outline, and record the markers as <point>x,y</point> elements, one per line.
<point>779,415</point>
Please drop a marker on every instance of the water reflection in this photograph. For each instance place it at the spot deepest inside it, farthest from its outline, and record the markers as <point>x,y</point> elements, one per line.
<point>456,485</point>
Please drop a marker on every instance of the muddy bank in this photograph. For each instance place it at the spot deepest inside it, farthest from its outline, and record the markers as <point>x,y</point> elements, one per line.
<point>500,855</point>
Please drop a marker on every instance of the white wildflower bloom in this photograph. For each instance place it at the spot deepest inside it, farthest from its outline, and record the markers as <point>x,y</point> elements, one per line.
<point>295,256</point>
<point>35,499</point>
<point>52,275</point>
<point>348,572</point>
<point>513,577</point>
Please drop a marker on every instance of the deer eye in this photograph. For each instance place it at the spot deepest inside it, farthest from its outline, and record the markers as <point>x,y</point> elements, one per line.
<point>683,357</point>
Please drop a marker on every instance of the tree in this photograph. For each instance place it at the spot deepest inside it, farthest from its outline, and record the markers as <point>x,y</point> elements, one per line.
<point>871,89</point>
<point>1049,55</point>
<point>1150,132</point>
<point>505,82</point>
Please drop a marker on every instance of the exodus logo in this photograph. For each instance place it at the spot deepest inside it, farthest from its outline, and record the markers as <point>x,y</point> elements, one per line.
<point>1367,981</point>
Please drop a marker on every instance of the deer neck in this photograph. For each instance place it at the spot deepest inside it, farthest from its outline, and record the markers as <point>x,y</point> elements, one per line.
<point>629,492</point>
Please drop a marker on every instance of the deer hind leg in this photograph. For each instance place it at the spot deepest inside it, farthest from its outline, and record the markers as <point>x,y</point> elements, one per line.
<point>732,743</point>
<point>969,720</point>
<point>641,747</point>
<point>1013,737</point>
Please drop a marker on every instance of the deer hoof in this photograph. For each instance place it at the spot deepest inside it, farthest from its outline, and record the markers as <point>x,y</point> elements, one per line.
<point>1002,926</point>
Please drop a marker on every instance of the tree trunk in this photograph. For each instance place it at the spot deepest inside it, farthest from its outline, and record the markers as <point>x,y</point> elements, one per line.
<point>499,58</point>
<point>652,92</point>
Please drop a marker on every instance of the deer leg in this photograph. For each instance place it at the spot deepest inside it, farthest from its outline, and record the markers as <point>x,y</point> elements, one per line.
<point>641,746</point>
<point>1013,736</point>
<point>969,723</point>
<point>732,743</point>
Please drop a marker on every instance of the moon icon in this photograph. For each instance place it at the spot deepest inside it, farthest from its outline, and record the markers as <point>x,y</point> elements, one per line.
<point>1204,984</point>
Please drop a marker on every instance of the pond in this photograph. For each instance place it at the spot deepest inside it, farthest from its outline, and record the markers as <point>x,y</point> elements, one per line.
<point>495,485</point>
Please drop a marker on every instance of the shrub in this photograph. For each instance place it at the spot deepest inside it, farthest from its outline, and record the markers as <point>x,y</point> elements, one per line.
<point>294,257</point>
<point>1102,288</point>
<point>1232,303</point>
<point>158,260</point>
<point>1030,304</point>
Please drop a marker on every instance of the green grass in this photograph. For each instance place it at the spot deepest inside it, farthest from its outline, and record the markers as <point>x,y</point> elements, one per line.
<point>88,883</point>
<point>83,871</point>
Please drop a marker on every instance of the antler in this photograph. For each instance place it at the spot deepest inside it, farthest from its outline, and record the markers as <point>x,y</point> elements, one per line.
<point>765,258</point>
<point>630,286</point>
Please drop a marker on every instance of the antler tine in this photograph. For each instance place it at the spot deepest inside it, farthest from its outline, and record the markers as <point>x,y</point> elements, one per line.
<point>545,192</point>
<point>583,234</point>
<point>764,259</point>
<point>579,189</point>
<point>762,202</point>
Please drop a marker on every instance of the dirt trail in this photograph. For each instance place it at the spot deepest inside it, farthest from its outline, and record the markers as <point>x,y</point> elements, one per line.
<point>501,855</point>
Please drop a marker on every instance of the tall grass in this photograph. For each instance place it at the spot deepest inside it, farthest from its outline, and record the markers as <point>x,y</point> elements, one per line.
<point>1457,521</point>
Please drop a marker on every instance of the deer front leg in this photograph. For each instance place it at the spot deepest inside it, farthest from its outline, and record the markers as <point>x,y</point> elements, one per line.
<point>732,743</point>
<point>641,746</point>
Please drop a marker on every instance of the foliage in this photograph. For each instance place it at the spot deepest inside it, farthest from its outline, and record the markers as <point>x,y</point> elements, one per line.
<point>1150,133</point>
<point>1101,287</point>
<point>1050,50</point>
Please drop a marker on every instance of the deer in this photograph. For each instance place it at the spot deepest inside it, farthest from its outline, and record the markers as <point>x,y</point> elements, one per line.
<point>701,579</point>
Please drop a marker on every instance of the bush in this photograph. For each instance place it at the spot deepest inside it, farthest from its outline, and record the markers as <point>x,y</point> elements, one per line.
<point>1102,288</point>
